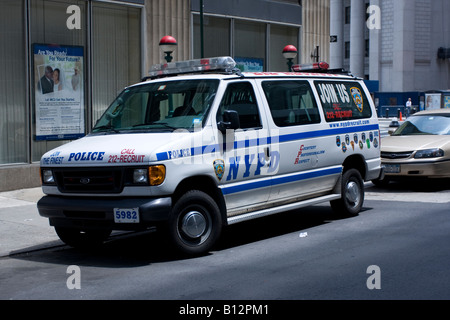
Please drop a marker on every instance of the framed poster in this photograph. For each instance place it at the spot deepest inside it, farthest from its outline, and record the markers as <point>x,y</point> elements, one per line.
<point>249,64</point>
<point>432,101</point>
<point>447,102</point>
<point>59,92</point>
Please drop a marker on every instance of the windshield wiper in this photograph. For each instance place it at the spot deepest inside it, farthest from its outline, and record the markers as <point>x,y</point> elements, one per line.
<point>108,127</point>
<point>165,124</point>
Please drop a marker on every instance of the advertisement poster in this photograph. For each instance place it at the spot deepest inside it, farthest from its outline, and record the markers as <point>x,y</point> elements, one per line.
<point>432,101</point>
<point>59,92</point>
<point>249,64</point>
<point>447,102</point>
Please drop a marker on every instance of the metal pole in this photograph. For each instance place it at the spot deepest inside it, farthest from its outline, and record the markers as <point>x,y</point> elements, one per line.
<point>202,50</point>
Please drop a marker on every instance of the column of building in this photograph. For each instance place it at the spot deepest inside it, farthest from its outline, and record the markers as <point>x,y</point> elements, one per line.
<point>357,38</point>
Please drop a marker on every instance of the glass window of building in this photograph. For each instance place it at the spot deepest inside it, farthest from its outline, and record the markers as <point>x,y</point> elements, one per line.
<point>281,36</point>
<point>216,37</point>
<point>116,54</point>
<point>13,89</point>
<point>89,76</point>
<point>50,33</point>
<point>250,44</point>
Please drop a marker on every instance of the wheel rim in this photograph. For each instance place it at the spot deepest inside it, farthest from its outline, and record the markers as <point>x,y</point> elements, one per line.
<point>193,224</point>
<point>194,227</point>
<point>353,194</point>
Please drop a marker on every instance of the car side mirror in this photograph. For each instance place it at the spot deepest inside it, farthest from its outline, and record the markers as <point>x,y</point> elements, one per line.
<point>230,121</point>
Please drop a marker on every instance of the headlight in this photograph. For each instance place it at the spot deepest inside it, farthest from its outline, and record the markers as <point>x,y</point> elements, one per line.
<point>47,177</point>
<point>140,176</point>
<point>157,174</point>
<point>429,153</point>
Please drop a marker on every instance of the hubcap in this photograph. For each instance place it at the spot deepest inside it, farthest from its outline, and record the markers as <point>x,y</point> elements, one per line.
<point>193,224</point>
<point>352,193</point>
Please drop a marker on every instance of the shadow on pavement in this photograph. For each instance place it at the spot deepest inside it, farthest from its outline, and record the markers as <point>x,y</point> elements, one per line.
<point>144,248</point>
<point>416,185</point>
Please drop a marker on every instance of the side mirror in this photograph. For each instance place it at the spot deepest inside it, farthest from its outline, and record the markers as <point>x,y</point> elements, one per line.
<point>230,121</point>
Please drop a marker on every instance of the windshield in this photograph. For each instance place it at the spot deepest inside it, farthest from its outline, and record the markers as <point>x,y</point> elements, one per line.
<point>425,125</point>
<point>159,106</point>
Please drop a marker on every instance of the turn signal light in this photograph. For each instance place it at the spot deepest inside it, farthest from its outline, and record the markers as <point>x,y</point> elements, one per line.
<point>157,175</point>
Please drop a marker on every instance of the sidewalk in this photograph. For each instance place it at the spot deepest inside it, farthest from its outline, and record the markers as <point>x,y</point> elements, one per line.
<point>21,227</point>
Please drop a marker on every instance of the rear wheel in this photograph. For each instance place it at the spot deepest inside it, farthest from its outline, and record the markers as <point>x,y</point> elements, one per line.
<point>352,198</point>
<point>195,223</point>
<point>82,239</point>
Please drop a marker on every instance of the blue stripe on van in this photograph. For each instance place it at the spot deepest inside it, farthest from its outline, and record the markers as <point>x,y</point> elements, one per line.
<point>226,190</point>
<point>282,138</point>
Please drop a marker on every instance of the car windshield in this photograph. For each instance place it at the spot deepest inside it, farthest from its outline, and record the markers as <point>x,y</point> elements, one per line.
<point>159,106</point>
<point>431,124</point>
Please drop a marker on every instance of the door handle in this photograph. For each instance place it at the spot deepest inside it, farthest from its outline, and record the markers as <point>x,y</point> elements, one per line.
<point>266,157</point>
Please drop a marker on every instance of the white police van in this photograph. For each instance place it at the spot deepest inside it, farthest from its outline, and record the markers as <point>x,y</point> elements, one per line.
<point>198,145</point>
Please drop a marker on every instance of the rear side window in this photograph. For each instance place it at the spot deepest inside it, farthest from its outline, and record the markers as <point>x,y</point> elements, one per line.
<point>291,102</point>
<point>343,101</point>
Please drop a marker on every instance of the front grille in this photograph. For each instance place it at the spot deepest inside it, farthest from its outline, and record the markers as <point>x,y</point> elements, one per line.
<point>396,155</point>
<point>95,180</point>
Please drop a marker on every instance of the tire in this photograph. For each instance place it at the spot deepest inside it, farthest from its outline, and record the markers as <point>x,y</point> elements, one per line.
<point>195,223</point>
<point>79,239</point>
<point>352,194</point>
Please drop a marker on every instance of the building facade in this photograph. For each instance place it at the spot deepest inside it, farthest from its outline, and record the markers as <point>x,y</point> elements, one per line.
<point>395,42</point>
<point>97,47</point>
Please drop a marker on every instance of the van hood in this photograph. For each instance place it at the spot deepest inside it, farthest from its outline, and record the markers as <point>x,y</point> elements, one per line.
<point>116,149</point>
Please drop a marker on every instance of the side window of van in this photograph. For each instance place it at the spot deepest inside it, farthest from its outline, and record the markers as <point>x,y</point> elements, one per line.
<point>291,102</point>
<point>343,100</point>
<point>240,97</point>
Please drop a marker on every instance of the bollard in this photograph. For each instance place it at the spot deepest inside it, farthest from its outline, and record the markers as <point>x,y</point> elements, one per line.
<point>387,112</point>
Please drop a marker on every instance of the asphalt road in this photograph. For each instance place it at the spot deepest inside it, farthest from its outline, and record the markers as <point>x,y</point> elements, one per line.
<point>403,232</point>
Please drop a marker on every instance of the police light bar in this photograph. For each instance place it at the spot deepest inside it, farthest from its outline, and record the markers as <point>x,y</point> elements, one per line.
<point>222,64</point>
<point>314,67</point>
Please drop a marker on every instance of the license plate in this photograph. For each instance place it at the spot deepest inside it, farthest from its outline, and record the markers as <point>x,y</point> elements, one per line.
<point>392,168</point>
<point>126,215</point>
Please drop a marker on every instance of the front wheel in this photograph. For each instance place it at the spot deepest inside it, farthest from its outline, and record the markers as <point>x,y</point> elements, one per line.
<point>195,223</point>
<point>352,194</point>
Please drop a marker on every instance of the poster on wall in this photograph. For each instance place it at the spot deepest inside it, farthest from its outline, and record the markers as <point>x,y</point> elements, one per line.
<point>59,92</point>
<point>432,101</point>
<point>249,64</point>
<point>447,102</point>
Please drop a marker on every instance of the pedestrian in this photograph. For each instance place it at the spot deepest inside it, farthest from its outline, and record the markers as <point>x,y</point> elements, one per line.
<point>408,107</point>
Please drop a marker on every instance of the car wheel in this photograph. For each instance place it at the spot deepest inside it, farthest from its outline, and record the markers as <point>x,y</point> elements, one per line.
<point>352,197</point>
<point>195,223</point>
<point>82,239</point>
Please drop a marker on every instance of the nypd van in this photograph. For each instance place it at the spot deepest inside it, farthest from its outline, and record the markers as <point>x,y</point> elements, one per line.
<point>199,145</point>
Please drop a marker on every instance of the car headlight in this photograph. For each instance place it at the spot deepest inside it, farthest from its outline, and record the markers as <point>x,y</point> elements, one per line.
<point>429,153</point>
<point>140,176</point>
<point>47,176</point>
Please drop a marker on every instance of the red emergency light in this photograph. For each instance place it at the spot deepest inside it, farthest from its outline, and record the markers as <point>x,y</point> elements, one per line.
<point>318,67</point>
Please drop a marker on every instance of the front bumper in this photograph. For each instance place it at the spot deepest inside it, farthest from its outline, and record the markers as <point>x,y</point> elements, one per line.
<point>97,213</point>
<point>430,169</point>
